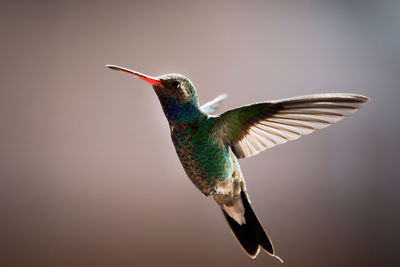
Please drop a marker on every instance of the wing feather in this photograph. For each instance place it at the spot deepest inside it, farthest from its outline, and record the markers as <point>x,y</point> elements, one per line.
<point>254,128</point>
<point>212,105</point>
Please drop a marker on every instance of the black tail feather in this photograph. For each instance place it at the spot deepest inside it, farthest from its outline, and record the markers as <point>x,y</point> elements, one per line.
<point>244,236</point>
<point>250,235</point>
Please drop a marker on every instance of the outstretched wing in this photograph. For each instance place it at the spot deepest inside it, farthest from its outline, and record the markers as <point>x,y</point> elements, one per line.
<point>254,128</point>
<point>213,104</point>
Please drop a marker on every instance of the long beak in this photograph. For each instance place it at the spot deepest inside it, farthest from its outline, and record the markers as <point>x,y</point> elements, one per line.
<point>151,80</point>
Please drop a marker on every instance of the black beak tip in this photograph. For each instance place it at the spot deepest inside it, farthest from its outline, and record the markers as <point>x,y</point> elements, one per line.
<point>113,67</point>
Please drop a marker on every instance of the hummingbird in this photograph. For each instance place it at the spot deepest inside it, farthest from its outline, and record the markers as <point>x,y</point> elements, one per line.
<point>209,146</point>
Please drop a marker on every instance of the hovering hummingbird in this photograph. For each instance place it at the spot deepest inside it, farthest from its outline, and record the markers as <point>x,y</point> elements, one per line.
<point>209,146</point>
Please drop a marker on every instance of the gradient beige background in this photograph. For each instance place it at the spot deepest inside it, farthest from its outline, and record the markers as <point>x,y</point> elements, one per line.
<point>89,176</point>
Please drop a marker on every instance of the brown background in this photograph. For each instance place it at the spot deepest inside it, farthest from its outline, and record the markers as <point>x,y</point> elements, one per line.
<point>89,176</point>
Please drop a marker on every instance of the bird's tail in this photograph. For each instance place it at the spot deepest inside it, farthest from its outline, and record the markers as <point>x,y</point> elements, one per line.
<point>251,234</point>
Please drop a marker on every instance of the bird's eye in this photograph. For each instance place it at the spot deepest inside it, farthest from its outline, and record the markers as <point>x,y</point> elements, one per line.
<point>176,84</point>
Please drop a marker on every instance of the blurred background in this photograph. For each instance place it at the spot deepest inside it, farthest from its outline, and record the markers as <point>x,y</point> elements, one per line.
<point>89,175</point>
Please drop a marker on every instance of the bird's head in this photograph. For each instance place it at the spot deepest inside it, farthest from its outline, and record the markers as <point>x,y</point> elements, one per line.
<point>172,87</point>
<point>176,92</point>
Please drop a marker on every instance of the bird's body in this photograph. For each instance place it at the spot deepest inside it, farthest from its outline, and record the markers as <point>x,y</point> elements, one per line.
<point>207,161</point>
<point>209,146</point>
